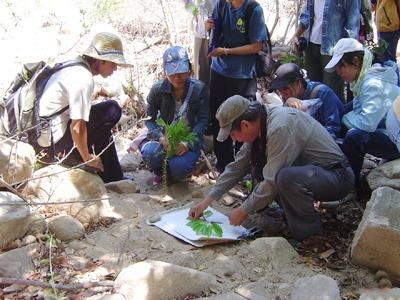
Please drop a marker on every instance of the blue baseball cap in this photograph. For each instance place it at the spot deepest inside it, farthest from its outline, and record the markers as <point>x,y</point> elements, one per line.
<point>175,60</point>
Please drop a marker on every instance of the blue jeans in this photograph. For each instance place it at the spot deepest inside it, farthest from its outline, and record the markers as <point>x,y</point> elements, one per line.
<point>178,166</point>
<point>357,143</point>
<point>392,38</point>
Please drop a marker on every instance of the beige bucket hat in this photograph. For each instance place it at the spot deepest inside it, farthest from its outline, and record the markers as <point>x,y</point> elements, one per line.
<point>107,46</point>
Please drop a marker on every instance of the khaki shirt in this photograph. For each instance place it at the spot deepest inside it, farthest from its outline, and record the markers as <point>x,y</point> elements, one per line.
<point>293,139</point>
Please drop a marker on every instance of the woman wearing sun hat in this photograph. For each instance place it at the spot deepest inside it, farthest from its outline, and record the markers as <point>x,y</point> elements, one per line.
<point>177,96</point>
<point>83,125</point>
<point>375,88</point>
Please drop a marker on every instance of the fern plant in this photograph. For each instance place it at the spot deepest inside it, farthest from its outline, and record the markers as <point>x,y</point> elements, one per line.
<point>174,134</point>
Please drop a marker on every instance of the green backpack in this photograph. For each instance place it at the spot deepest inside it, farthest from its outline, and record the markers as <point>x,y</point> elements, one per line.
<point>20,106</point>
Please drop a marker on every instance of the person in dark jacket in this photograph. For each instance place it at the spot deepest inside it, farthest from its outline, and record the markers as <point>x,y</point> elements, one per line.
<point>297,92</point>
<point>177,96</point>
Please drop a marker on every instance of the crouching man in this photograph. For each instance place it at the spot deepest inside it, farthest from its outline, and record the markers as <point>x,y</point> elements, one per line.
<point>79,131</point>
<point>300,163</point>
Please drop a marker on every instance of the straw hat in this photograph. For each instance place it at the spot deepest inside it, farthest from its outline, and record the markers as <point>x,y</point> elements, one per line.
<point>107,46</point>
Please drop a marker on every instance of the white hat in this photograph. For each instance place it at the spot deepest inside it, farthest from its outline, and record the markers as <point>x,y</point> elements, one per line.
<point>343,46</point>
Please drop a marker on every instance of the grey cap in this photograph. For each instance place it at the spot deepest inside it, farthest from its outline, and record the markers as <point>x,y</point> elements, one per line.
<point>231,109</point>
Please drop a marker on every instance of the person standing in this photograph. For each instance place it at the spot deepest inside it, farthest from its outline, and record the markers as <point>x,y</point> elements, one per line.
<point>388,25</point>
<point>323,23</point>
<point>233,66</point>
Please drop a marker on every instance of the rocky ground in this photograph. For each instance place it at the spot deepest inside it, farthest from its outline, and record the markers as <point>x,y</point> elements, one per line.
<point>103,242</point>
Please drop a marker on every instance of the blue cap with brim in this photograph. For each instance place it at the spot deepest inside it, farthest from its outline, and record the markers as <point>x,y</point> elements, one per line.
<point>175,60</point>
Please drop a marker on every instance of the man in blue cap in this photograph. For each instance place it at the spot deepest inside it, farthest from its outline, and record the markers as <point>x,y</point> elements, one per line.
<point>176,97</point>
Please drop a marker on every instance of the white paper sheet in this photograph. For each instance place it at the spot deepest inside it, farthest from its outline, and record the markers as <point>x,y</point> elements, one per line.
<point>174,222</point>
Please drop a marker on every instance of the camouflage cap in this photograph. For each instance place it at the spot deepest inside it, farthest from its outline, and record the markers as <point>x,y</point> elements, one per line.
<point>231,109</point>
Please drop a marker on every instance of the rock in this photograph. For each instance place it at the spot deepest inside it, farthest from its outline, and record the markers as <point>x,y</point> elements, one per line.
<point>160,280</point>
<point>315,288</point>
<point>121,187</point>
<point>14,219</point>
<point>60,185</point>
<point>387,174</point>
<point>29,239</point>
<point>17,160</point>
<point>275,251</point>
<point>37,224</point>
<point>381,294</point>
<point>230,296</point>
<point>125,206</point>
<point>381,223</point>
<point>18,263</point>
<point>77,262</point>
<point>128,161</point>
<point>113,297</point>
<point>228,200</point>
<point>66,228</point>
<point>225,265</point>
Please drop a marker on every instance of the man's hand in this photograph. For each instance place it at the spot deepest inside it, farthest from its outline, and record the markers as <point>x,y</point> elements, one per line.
<point>95,162</point>
<point>237,216</point>
<point>294,44</point>
<point>295,103</point>
<point>197,209</point>
<point>181,149</point>
<point>219,51</point>
<point>208,24</point>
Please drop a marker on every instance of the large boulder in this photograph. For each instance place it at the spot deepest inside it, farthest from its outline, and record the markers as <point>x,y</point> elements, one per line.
<point>17,160</point>
<point>376,242</point>
<point>18,263</point>
<point>14,218</point>
<point>387,174</point>
<point>150,280</point>
<point>58,184</point>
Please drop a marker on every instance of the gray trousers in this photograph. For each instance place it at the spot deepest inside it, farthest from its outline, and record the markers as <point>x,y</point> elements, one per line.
<point>300,186</point>
<point>201,61</point>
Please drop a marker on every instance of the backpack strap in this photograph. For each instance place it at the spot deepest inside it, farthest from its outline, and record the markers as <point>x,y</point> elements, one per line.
<point>315,91</point>
<point>252,4</point>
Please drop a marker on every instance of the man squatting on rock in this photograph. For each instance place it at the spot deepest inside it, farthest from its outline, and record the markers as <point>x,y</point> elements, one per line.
<point>303,164</point>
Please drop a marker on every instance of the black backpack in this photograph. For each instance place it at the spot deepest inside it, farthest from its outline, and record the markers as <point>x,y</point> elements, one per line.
<point>265,64</point>
<point>20,107</point>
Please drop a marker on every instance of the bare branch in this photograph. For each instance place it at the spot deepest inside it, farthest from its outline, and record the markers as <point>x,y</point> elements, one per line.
<point>78,286</point>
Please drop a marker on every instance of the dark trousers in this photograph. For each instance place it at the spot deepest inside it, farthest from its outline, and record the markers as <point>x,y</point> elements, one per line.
<point>392,38</point>
<point>357,143</point>
<point>221,88</point>
<point>103,117</point>
<point>315,63</point>
<point>298,188</point>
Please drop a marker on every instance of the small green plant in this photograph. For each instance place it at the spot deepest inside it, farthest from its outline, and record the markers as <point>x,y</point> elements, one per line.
<point>291,58</point>
<point>204,227</point>
<point>174,134</point>
<point>248,184</point>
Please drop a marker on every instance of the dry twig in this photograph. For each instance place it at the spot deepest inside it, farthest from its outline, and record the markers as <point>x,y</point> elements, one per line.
<point>78,286</point>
